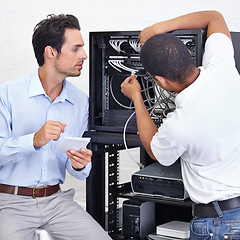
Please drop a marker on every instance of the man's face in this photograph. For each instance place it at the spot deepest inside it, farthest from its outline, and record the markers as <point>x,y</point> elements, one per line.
<point>70,60</point>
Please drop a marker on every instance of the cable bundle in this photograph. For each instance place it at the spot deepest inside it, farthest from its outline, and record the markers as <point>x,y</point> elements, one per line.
<point>158,106</point>
<point>116,44</point>
<point>117,64</point>
<point>135,44</point>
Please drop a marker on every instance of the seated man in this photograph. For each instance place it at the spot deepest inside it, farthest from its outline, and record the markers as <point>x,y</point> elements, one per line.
<point>36,112</point>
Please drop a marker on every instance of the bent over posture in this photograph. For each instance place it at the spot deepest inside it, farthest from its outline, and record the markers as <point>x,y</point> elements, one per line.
<point>204,129</point>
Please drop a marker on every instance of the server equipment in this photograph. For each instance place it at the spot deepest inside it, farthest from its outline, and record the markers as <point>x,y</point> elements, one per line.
<point>113,57</point>
<point>159,181</point>
<point>138,218</point>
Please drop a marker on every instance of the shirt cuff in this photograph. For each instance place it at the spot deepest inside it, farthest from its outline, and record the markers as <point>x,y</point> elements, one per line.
<point>26,144</point>
<point>82,174</point>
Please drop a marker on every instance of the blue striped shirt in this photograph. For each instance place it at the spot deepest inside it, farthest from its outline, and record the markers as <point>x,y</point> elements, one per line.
<point>24,109</point>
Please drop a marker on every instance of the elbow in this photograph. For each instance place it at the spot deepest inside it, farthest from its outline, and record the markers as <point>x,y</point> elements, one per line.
<point>151,155</point>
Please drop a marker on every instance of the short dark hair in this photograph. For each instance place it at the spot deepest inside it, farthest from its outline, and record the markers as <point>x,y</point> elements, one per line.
<point>166,55</point>
<point>50,32</point>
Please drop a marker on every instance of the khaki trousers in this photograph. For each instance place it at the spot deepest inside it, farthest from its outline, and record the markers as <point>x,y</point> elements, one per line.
<point>58,214</point>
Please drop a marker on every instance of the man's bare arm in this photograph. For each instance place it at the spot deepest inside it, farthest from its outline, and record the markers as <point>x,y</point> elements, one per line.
<point>146,127</point>
<point>213,21</point>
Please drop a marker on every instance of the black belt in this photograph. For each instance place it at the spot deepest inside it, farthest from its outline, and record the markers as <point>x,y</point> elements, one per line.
<point>208,210</point>
<point>35,192</point>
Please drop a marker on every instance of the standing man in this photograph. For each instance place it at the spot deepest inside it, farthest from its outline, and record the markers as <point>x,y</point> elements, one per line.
<point>36,112</point>
<point>204,129</point>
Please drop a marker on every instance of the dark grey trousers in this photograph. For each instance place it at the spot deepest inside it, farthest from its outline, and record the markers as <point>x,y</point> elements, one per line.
<point>58,214</point>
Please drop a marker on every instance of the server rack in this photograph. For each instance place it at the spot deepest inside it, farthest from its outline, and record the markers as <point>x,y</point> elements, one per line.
<point>113,57</point>
<point>107,137</point>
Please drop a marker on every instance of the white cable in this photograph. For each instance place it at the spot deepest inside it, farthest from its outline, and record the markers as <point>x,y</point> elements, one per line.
<point>135,44</point>
<point>125,142</point>
<point>160,100</point>
<point>160,103</point>
<point>113,96</point>
<point>116,44</point>
<point>116,64</point>
<point>112,65</point>
<point>132,71</point>
<point>185,41</point>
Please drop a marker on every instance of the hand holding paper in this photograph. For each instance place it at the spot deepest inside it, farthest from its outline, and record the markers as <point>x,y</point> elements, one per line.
<point>73,143</point>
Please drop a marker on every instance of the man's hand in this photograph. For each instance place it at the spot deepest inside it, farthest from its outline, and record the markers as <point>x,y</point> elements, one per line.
<point>51,130</point>
<point>146,127</point>
<point>79,159</point>
<point>150,31</point>
<point>131,87</point>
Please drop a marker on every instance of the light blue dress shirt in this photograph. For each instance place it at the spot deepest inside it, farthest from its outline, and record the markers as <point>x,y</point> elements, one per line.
<point>24,109</point>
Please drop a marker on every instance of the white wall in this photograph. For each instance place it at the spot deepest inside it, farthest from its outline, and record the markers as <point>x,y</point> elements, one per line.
<point>18,18</point>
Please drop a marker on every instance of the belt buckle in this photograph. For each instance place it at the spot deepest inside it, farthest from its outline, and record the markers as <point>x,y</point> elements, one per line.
<point>45,192</point>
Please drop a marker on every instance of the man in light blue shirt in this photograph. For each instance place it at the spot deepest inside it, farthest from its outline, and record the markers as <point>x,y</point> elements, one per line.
<point>36,113</point>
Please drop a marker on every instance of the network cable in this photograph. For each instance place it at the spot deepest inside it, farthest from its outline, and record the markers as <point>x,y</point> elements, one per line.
<point>116,44</point>
<point>135,44</point>
<point>158,106</point>
<point>119,66</point>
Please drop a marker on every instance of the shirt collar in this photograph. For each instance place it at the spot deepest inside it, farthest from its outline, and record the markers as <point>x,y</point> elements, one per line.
<point>65,94</point>
<point>36,89</point>
<point>35,86</point>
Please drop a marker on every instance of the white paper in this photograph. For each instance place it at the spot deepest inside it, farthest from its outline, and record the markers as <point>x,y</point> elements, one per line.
<point>73,143</point>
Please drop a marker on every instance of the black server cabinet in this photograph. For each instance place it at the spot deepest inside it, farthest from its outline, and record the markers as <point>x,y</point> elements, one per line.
<point>107,135</point>
<point>113,57</point>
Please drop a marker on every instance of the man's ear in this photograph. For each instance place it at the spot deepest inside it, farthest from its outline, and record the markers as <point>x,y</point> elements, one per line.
<point>50,52</point>
<point>161,81</point>
<point>167,84</point>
